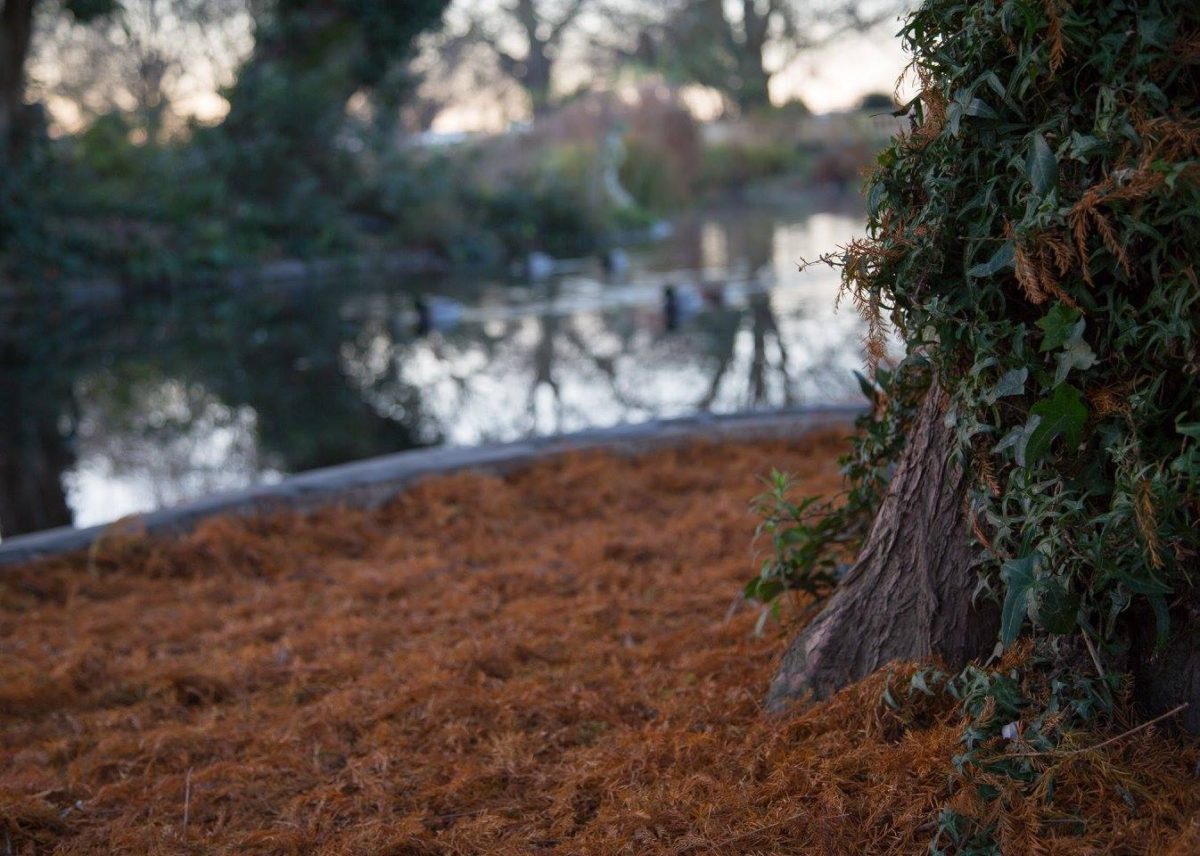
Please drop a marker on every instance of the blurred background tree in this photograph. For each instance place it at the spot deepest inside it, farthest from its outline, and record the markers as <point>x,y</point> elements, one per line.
<point>516,46</point>
<point>285,142</point>
<point>159,140</point>
<point>153,138</point>
<point>736,49</point>
<point>16,39</point>
<point>153,62</point>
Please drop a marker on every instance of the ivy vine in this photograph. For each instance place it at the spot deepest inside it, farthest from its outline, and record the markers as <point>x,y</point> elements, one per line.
<point>1035,242</point>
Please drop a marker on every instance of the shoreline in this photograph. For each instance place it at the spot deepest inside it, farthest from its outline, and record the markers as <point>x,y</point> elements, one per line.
<point>372,481</point>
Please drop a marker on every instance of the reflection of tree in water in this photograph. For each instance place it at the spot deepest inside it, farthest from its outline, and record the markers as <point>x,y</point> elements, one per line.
<point>538,373</point>
<point>180,438</point>
<point>543,360</point>
<point>162,392</point>
<point>742,244</point>
<point>196,394</point>
<point>584,369</point>
<point>283,359</point>
<point>34,444</point>
<point>457,369</point>
<point>764,335</point>
<point>764,328</point>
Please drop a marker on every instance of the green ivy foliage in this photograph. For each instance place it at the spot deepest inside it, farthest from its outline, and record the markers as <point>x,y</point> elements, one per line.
<point>1037,237</point>
<point>1035,240</point>
<point>813,540</point>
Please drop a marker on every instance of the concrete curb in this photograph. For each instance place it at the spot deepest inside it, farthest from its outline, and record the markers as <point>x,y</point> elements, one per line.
<point>372,481</point>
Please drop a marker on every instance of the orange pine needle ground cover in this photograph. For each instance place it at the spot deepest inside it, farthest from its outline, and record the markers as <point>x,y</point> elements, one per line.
<point>539,663</point>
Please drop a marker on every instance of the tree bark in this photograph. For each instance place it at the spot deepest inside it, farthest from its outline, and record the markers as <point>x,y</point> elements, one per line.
<point>534,72</point>
<point>909,594</point>
<point>753,91</point>
<point>33,457</point>
<point>909,597</point>
<point>1164,678</point>
<point>16,31</point>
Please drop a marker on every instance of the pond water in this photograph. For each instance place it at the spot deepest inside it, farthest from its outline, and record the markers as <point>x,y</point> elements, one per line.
<point>107,410</point>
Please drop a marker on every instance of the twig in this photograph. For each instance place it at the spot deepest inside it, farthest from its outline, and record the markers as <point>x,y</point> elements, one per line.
<point>1095,657</point>
<point>1063,753</point>
<point>187,799</point>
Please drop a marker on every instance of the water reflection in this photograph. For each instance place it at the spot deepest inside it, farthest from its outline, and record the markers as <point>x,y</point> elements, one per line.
<point>116,409</point>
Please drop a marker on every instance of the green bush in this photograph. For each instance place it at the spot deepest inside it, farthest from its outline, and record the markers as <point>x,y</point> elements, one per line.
<point>545,216</point>
<point>731,166</point>
<point>652,177</point>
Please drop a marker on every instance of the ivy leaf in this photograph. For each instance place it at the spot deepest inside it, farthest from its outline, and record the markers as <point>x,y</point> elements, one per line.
<point>1012,382</point>
<point>1083,145</point>
<point>1064,413</point>
<point>763,590</point>
<point>875,198</point>
<point>919,684</point>
<point>1057,608</point>
<point>1003,258</point>
<point>1022,436</point>
<point>1041,166</point>
<point>1018,578</point>
<point>979,108</point>
<point>1013,438</point>
<point>868,388</point>
<point>966,104</point>
<point>1189,429</point>
<point>1057,326</point>
<point>1078,354</point>
<point>954,117</point>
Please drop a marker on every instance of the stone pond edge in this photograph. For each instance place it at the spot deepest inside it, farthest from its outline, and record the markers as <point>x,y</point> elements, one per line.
<point>375,480</point>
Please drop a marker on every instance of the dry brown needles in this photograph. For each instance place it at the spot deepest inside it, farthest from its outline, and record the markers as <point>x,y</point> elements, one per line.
<point>539,663</point>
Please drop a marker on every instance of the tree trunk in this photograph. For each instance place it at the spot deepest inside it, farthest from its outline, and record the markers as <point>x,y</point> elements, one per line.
<point>909,594</point>
<point>753,91</point>
<point>1166,677</point>
<point>535,77</point>
<point>31,489</point>
<point>16,30</point>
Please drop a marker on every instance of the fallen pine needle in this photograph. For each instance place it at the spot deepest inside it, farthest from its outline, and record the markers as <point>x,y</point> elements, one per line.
<point>1062,753</point>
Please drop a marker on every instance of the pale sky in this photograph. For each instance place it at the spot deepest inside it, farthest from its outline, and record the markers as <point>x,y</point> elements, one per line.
<point>828,79</point>
<point>836,77</point>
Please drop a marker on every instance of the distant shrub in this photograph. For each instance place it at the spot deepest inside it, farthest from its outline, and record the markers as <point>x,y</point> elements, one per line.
<point>842,166</point>
<point>649,176</point>
<point>877,102</point>
<point>730,166</point>
<point>545,216</point>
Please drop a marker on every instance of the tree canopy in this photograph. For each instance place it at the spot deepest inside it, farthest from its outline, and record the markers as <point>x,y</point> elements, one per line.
<point>738,48</point>
<point>16,35</point>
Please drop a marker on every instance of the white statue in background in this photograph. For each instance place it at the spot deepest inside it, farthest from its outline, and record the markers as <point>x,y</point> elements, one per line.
<point>612,155</point>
